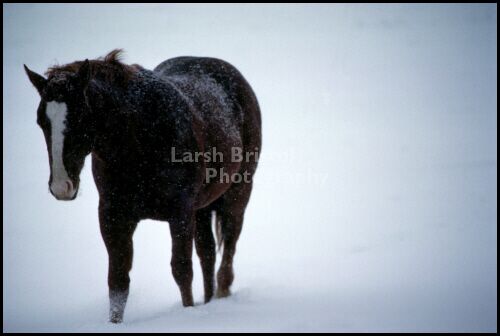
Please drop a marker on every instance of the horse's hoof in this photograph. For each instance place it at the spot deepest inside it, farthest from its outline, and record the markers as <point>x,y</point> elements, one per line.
<point>222,293</point>
<point>188,301</point>
<point>116,318</point>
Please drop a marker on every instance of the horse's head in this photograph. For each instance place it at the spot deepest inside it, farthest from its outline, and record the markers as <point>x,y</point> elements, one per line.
<point>64,117</point>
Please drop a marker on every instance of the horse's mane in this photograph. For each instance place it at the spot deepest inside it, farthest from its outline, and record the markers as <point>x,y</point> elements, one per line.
<point>108,68</point>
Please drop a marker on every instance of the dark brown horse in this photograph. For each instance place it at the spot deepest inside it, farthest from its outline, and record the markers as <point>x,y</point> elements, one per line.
<point>140,127</point>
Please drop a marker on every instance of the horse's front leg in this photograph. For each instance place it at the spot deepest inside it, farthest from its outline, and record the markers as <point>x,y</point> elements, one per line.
<point>117,231</point>
<point>182,232</point>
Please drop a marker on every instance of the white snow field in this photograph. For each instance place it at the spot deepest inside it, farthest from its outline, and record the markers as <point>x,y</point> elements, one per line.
<point>375,202</point>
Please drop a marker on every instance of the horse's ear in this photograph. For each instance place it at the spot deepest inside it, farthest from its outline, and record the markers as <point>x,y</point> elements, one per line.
<point>84,74</point>
<point>37,80</point>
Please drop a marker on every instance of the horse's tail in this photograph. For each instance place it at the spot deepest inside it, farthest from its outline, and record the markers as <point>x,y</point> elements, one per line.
<point>219,234</point>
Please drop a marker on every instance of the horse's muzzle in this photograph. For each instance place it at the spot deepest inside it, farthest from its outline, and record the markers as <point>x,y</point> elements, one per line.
<point>63,190</point>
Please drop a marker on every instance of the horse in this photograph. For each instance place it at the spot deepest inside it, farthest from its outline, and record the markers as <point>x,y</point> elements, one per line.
<point>129,119</point>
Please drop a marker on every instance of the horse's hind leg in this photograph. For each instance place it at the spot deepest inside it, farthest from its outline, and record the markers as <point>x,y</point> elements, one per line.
<point>231,213</point>
<point>182,232</point>
<point>205,247</point>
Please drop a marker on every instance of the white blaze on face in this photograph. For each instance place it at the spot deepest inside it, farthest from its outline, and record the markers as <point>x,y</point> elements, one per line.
<point>61,184</point>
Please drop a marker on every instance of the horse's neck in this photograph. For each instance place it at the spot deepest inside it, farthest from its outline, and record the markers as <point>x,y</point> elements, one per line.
<point>127,116</point>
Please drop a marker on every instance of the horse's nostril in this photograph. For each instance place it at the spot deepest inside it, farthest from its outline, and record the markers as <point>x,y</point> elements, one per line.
<point>69,186</point>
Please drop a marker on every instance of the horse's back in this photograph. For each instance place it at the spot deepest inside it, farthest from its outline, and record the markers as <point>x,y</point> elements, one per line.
<point>219,70</point>
<point>201,67</point>
<point>192,74</point>
<point>222,72</point>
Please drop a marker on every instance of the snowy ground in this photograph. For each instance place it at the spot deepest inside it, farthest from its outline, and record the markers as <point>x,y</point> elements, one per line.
<point>375,203</point>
